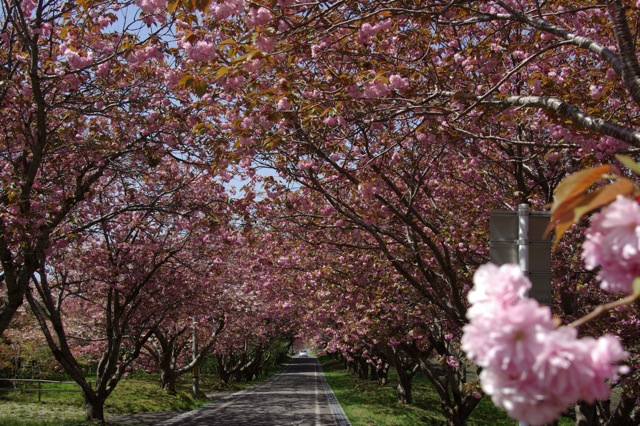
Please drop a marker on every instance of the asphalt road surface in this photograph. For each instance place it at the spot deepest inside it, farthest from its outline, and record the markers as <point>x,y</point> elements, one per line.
<point>299,396</point>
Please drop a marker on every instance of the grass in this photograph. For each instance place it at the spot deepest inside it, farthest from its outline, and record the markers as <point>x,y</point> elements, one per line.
<point>366,403</point>
<point>137,394</point>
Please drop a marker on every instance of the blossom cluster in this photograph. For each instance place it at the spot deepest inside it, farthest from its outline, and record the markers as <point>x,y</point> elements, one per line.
<point>532,369</point>
<point>613,243</point>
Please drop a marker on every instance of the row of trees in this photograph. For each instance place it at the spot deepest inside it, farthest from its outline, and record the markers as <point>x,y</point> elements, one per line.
<point>117,227</point>
<point>400,125</point>
<point>391,129</point>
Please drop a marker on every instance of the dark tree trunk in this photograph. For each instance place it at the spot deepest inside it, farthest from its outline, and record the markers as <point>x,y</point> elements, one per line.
<point>363,370</point>
<point>94,408</point>
<point>223,373</point>
<point>383,374</point>
<point>625,413</point>
<point>168,380</point>
<point>373,375</point>
<point>586,414</point>
<point>404,390</point>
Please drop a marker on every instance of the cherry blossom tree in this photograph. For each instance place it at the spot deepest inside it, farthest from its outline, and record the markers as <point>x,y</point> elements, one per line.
<point>81,86</point>
<point>397,125</point>
<point>171,348</point>
<point>263,313</point>
<point>117,274</point>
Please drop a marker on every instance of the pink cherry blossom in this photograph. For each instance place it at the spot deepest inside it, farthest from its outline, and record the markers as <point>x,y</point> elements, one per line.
<point>376,90</point>
<point>532,369</point>
<point>225,9</point>
<point>264,43</point>
<point>75,59</point>
<point>258,17</point>
<point>366,32</point>
<point>508,336</point>
<point>613,243</point>
<point>202,51</point>
<point>151,6</point>
<point>398,82</point>
<point>503,285</point>
<point>284,104</point>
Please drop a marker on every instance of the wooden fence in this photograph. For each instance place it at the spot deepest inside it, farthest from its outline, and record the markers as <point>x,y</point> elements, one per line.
<point>39,389</point>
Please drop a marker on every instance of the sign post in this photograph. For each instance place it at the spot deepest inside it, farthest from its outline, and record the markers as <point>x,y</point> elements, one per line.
<point>518,237</point>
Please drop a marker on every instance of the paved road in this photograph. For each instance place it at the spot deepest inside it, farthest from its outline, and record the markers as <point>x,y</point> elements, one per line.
<point>299,396</point>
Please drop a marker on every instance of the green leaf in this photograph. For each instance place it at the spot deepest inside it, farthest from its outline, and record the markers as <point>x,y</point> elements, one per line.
<point>629,163</point>
<point>187,81</point>
<point>636,286</point>
<point>222,71</point>
<point>200,87</point>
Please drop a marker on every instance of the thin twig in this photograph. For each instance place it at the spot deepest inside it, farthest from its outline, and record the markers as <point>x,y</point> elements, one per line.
<point>605,308</point>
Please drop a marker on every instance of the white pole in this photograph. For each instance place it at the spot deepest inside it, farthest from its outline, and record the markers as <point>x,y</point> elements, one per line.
<point>523,246</point>
<point>523,237</point>
<point>195,373</point>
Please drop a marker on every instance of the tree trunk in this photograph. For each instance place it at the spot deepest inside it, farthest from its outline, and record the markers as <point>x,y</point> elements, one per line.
<point>626,412</point>
<point>168,381</point>
<point>363,369</point>
<point>94,408</point>
<point>404,391</point>
<point>383,375</point>
<point>586,414</point>
<point>223,373</point>
<point>373,375</point>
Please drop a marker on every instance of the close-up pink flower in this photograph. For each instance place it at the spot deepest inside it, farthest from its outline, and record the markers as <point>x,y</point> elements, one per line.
<point>507,336</point>
<point>503,285</point>
<point>531,368</point>
<point>613,244</point>
<point>522,396</point>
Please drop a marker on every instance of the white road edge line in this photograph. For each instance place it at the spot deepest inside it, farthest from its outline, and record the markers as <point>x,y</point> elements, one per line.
<point>339,415</point>
<point>318,383</point>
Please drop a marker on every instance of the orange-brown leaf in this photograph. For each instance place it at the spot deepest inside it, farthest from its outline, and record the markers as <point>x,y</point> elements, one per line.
<point>172,5</point>
<point>186,81</point>
<point>200,87</point>
<point>576,184</point>
<point>586,203</point>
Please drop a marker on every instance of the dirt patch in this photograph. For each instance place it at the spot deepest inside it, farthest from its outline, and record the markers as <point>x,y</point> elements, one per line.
<point>38,411</point>
<point>141,418</point>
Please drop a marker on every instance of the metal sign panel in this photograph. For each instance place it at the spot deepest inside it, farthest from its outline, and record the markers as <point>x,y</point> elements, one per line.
<point>505,245</point>
<point>503,226</point>
<point>538,222</point>
<point>541,288</point>
<point>539,257</point>
<point>503,252</point>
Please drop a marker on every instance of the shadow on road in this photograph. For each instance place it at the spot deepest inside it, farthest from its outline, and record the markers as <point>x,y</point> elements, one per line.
<point>294,397</point>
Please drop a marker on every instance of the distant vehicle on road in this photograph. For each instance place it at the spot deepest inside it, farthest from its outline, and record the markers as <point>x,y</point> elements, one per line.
<point>303,352</point>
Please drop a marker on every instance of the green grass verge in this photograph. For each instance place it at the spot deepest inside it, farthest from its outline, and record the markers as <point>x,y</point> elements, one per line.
<point>140,393</point>
<point>366,403</point>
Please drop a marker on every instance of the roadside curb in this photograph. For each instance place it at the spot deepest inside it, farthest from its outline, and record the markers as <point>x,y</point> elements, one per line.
<point>334,405</point>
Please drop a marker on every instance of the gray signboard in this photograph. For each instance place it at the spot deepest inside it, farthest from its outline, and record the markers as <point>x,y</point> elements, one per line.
<point>518,234</point>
